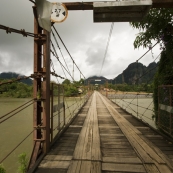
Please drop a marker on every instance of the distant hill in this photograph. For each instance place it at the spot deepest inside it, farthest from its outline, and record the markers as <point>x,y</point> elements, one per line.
<point>95,80</point>
<point>137,71</point>
<point>129,76</point>
<point>10,75</point>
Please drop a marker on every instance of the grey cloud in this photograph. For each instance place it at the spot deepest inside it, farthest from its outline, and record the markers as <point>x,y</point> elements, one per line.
<point>85,40</point>
<point>94,56</point>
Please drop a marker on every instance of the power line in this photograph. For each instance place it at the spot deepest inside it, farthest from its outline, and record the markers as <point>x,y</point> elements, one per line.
<point>110,33</point>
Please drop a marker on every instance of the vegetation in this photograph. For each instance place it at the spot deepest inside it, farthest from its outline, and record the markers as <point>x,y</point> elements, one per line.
<point>16,89</point>
<point>10,75</point>
<point>2,169</point>
<point>23,161</point>
<point>71,88</point>
<point>144,87</point>
<point>158,26</point>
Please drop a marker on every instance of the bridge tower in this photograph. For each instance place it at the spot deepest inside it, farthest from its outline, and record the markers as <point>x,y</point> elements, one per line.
<point>41,92</point>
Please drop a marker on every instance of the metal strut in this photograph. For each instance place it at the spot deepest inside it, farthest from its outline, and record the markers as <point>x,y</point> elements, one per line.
<point>41,93</point>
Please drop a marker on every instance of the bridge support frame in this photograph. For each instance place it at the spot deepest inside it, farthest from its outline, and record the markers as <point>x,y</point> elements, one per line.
<point>41,92</point>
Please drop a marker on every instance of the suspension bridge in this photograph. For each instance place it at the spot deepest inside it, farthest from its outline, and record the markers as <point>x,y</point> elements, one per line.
<point>91,132</point>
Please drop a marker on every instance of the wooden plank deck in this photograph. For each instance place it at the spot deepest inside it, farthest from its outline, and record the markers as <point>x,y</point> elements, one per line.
<point>103,138</point>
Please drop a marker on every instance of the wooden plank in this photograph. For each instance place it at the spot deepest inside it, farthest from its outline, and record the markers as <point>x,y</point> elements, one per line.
<point>116,141</point>
<point>134,160</point>
<point>96,153</point>
<point>123,167</point>
<point>85,167</point>
<point>118,150</point>
<point>115,146</point>
<point>57,157</point>
<point>88,144</point>
<point>74,167</point>
<point>82,115</point>
<point>159,152</point>
<point>142,145</point>
<point>154,136</point>
<point>107,126</point>
<point>54,164</point>
<point>81,140</point>
<point>151,168</point>
<point>75,125</point>
<point>95,167</point>
<point>147,154</point>
<point>111,135</point>
<point>86,152</point>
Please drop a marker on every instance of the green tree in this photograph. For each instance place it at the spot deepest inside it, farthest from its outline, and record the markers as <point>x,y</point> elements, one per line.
<point>66,81</point>
<point>158,26</point>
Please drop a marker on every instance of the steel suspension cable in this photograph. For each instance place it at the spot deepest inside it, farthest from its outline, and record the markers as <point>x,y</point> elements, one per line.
<point>16,147</point>
<point>22,32</point>
<point>67,50</point>
<point>16,113</point>
<point>56,56</point>
<point>110,33</point>
<point>15,109</point>
<point>60,50</point>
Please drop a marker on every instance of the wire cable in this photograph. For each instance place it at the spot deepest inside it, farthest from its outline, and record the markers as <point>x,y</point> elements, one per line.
<point>67,50</point>
<point>110,33</point>
<point>60,50</point>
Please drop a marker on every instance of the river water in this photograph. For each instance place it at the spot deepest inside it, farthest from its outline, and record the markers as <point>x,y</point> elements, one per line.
<point>16,128</point>
<point>143,111</point>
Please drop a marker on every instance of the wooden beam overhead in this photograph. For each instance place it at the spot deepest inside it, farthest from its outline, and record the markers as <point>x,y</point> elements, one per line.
<point>162,4</point>
<point>79,5</point>
<point>89,5</point>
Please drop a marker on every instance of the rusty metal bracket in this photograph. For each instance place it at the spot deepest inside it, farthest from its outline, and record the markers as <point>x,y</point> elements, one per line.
<point>38,75</point>
<point>40,127</point>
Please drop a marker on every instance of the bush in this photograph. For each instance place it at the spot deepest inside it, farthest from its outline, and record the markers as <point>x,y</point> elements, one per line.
<point>2,169</point>
<point>23,160</point>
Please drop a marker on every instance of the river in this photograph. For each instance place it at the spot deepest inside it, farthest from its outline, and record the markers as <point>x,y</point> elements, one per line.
<point>143,111</point>
<point>16,128</point>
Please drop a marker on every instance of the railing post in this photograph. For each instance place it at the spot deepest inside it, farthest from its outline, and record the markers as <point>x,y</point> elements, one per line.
<point>59,90</point>
<point>63,106</point>
<point>170,102</point>
<point>158,113</point>
<point>46,92</point>
<point>52,94</point>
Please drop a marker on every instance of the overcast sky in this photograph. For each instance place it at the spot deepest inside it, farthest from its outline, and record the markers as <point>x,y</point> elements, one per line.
<point>85,40</point>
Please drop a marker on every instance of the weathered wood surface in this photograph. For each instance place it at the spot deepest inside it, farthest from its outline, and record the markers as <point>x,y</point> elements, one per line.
<point>101,139</point>
<point>141,145</point>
